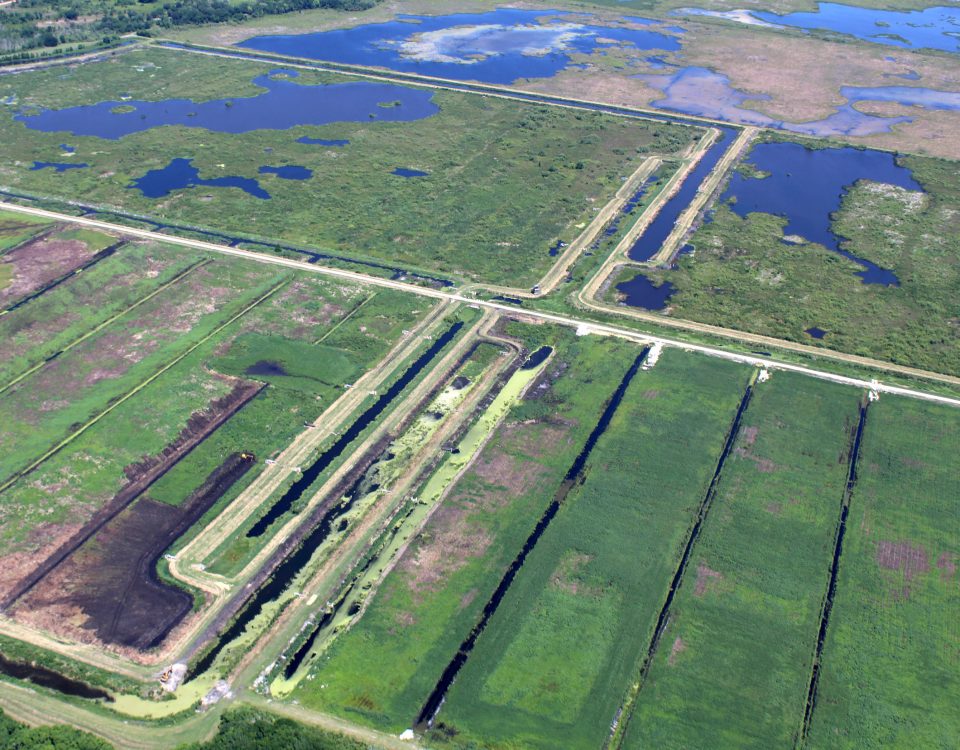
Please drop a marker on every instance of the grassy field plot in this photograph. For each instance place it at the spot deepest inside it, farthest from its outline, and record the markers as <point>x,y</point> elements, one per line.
<point>745,274</point>
<point>500,181</point>
<point>382,670</point>
<point>15,228</point>
<point>553,665</point>
<point>251,354</point>
<point>734,662</point>
<point>892,654</point>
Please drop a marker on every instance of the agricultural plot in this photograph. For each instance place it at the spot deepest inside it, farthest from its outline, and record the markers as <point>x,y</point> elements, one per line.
<point>460,184</point>
<point>382,670</point>
<point>553,665</point>
<point>889,675</point>
<point>733,665</point>
<point>155,410</point>
<point>854,250</point>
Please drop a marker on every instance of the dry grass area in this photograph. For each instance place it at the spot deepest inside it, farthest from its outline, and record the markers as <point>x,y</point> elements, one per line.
<point>803,77</point>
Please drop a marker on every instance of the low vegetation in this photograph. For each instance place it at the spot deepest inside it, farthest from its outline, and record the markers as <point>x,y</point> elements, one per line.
<point>889,674</point>
<point>555,662</point>
<point>743,627</point>
<point>505,179</point>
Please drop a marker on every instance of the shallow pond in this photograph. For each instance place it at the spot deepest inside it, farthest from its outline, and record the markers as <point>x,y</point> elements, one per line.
<point>641,292</point>
<point>499,46</point>
<point>405,172</point>
<point>284,104</point>
<point>807,186</point>
<point>56,165</point>
<point>933,28</point>
<point>180,174</point>
<point>288,172</point>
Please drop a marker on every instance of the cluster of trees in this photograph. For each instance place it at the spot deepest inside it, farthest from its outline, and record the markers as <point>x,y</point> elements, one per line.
<point>38,24</point>
<point>240,729</point>
<point>16,736</point>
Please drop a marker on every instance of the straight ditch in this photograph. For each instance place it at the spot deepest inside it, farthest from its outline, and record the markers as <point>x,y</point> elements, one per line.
<point>573,477</point>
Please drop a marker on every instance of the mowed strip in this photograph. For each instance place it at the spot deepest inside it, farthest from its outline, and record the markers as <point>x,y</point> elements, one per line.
<point>734,662</point>
<point>890,674</point>
<point>554,664</point>
<point>382,670</point>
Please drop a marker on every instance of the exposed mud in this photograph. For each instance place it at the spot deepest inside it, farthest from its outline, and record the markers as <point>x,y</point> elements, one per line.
<point>112,582</point>
<point>140,476</point>
<point>904,557</point>
<point>676,649</point>
<point>704,576</point>
<point>40,261</point>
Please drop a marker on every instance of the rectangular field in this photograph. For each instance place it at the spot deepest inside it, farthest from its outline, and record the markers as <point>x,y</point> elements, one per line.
<point>494,183</point>
<point>891,661</point>
<point>381,671</point>
<point>128,416</point>
<point>555,662</point>
<point>733,665</point>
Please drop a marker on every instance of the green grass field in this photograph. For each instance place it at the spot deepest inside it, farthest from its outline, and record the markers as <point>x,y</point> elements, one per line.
<point>123,349</point>
<point>506,179</point>
<point>556,660</point>
<point>744,276</point>
<point>890,662</point>
<point>734,662</point>
<point>382,670</point>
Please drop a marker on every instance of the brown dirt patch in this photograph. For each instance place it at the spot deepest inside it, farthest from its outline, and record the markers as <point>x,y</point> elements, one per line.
<point>534,439</point>
<point>39,262</point>
<point>468,598</point>
<point>775,508</point>
<point>749,435</point>
<point>904,557</point>
<point>676,649</point>
<point>947,564</point>
<point>567,575</point>
<point>704,577</point>
<point>650,395</point>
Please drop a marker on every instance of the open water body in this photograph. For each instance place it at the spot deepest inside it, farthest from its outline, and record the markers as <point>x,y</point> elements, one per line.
<point>57,166</point>
<point>931,28</point>
<point>643,293</point>
<point>284,104</point>
<point>49,679</point>
<point>498,46</point>
<point>323,141</point>
<point>806,186</point>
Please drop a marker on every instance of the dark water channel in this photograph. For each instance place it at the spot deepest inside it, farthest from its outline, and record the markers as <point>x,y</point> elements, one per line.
<point>834,567</point>
<point>309,476</point>
<point>653,237</point>
<point>573,477</point>
<point>49,679</point>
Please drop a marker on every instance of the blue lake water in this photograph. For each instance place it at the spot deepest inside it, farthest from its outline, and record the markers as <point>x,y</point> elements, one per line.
<point>643,293</point>
<point>289,172</point>
<point>404,172</point>
<point>180,174</point>
<point>58,166</point>
<point>934,28</point>
<point>499,46</point>
<point>284,104</point>
<point>817,333</point>
<point>806,186</point>
<point>67,149</point>
<point>322,141</point>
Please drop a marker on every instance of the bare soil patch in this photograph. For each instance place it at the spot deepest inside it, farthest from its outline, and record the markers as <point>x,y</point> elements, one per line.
<point>41,261</point>
<point>903,556</point>
<point>705,575</point>
<point>111,584</point>
<point>676,649</point>
<point>947,564</point>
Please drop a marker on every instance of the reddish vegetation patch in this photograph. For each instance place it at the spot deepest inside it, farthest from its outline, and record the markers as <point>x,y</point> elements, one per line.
<point>44,540</point>
<point>651,394</point>
<point>468,598</point>
<point>39,262</point>
<point>566,576</point>
<point>904,557</point>
<point>704,576</point>
<point>678,648</point>
<point>947,564</point>
<point>775,508</point>
<point>534,439</point>
<point>750,435</point>
<point>765,465</point>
